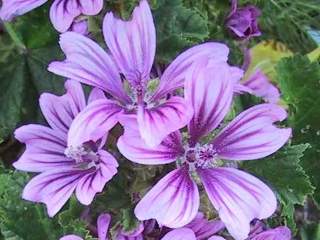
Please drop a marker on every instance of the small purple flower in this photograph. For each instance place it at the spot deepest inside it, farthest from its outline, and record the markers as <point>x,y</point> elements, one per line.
<point>243,22</point>
<point>237,196</point>
<point>103,223</point>
<point>199,229</point>
<point>63,169</point>
<point>125,76</point>
<point>259,232</point>
<point>62,12</point>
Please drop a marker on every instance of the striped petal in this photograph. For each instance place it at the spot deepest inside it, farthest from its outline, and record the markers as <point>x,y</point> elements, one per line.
<point>209,90</point>
<point>60,111</point>
<point>88,63</point>
<point>134,148</point>
<point>93,122</point>
<point>132,43</point>
<point>174,76</point>
<point>252,134</point>
<point>53,188</point>
<point>157,123</point>
<point>238,197</point>
<point>44,149</point>
<point>173,201</point>
<point>13,8</point>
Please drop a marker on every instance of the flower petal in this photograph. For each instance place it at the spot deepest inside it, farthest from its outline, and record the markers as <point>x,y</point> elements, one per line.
<point>216,238</point>
<point>71,237</point>
<point>180,234</point>
<point>94,182</point>
<point>157,123</point>
<point>134,148</point>
<point>262,87</point>
<point>44,149</point>
<point>279,233</point>
<point>92,7</point>
<point>96,94</point>
<point>53,188</point>
<point>63,12</point>
<point>60,111</point>
<point>174,76</point>
<point>173,201</point>
<point>252,135</point>
<point>209,90</point>
<point>238,197</point>
<point>103,223</point>
<point>203,228</point>
<point>132,43</point>
<point>93,122</point>
<point>88,63</point>
<point>13,8</point>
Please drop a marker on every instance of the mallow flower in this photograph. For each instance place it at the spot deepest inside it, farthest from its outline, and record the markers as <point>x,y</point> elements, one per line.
<point>199,229</point>
<point>63,169</point>
<point>237,196</point>
<point>62,12</point>
<point>260,232</point>
<point>123,73</point>
<point>243,22</point>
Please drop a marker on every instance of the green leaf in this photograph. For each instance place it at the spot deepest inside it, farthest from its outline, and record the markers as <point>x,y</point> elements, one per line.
<point>177,28</point>
<point>23,63</point>
<point>20,219</point>
<point>298,79</point>
<point>310,232</point>
<point>283,172</point>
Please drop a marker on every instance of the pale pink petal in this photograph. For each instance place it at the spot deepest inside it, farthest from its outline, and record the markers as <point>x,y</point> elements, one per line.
<point>44,149</point>
<point>204,228</point>
<point>132,43</point>
<point>88,63</point>
<point>63,12</point>
<point>174,76</point>
<point>261,86</point>
<point>13,8</point>
<point>209,90</point>
<point>252,134</point>
<point>71,237</point>
<point>103,223</point>
<point>96,94</point>
<point>134,148</point>
<point>93,122</point>
<point>173,201</point>
<point>157,123</point>
<point>180,234</point>
<point>92,7</point>
<point>238,197</point>
<point>279,233</point>
<point>216,238</point>
<point>53,188</point>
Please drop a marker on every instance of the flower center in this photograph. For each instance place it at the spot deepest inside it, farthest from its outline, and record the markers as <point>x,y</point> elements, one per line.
<point>85,155</point>
<point>201,156</point>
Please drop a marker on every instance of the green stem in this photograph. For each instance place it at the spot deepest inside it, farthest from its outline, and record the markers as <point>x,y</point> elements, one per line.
<point>14,36</point>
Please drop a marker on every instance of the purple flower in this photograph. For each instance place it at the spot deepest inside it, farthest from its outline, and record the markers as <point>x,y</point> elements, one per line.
<point>103,223</point>
<point>125,76</point>
<point>243,22</point>
<point>62,12</point>
<point>261,86</point>
<point>63,169</point>
<point>237,196</point>
<point>199,229</point>
<point>259,232</point>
